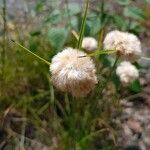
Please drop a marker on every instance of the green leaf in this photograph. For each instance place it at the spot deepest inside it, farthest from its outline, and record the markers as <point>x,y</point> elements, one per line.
<point>73,9</point>
<point>57,37</point>
<point>105,60</point>
<point>135,86</point>
<point>74,23</point>
<point>138,65</point>
<point>135,28</point>
<point>148,1</point>
<point>118,21</point>
<point>123,2</point>
<point>134,12</point>
<point>94,24</point>
<point>54,17</point>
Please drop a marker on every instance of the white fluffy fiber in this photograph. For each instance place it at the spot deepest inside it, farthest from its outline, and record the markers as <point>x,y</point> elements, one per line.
<point>72,73</point>
<point>127,45</point>
<point>127,73</point>
<point>89,44</point>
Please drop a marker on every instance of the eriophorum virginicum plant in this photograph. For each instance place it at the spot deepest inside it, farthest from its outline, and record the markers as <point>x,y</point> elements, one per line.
<point>82,117</point>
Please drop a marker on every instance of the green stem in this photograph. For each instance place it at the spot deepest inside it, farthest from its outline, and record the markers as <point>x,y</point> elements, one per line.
<point>109,76</point>
<point>48,63</point>
<point>99,52</point>
<point>79,44</point>
<point>100,41</point>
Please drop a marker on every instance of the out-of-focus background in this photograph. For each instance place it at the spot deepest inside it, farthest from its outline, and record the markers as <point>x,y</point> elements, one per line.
<point>44,27</point>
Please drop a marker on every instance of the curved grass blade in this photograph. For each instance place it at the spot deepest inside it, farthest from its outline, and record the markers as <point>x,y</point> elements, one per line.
<point>93,134</point>
<point>83,26</point>
<point>45,61</point>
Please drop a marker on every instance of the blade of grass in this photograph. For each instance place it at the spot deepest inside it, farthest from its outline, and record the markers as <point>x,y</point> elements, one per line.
<point>79,44</point>
<point>93,134</point>
<point>43,108</point>
<point>45,61</point>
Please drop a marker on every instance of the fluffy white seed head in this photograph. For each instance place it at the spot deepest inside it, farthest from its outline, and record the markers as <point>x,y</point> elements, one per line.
<point>72,73</point>
<point>89,44</point>
<point>127,45</point>
<point>127,73</point>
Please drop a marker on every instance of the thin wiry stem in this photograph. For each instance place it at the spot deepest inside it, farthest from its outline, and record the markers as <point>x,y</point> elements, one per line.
<point>48,63</point>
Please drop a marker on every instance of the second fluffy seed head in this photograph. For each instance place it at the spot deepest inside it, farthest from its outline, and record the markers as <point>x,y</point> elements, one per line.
<point>126,44</point>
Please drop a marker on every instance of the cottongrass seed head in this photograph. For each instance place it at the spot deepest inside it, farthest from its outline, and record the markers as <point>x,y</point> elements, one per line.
<point>127,73</point>
<point>128,45</point>
<point>89,44</point>
<point>73,73</point>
